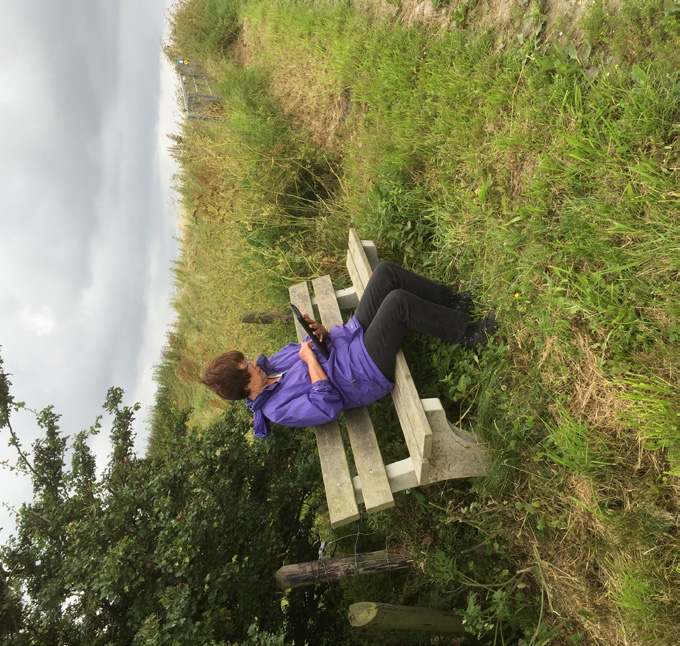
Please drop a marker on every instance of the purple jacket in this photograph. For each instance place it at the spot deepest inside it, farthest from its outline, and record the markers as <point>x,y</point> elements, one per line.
<point>353,380</point>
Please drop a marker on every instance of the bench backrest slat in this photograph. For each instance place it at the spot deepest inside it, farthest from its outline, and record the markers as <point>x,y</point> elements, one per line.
<point>367,458</point>
<point>299,296</point>
<point>337,481</point>
<point>342,504</point>
<point>326,302</point>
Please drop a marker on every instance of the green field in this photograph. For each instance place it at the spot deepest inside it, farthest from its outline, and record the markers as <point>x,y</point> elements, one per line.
<point>538,152</point>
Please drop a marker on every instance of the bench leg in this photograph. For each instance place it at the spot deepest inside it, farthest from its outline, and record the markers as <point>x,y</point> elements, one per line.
<point>455,453</point>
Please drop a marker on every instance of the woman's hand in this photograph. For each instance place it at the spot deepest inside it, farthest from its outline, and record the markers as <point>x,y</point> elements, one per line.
<point>306,352</point>
<point>320,332</point>
<point>316,372</point>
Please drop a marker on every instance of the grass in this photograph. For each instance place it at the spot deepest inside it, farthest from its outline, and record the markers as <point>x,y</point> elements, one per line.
<point>547,168</point>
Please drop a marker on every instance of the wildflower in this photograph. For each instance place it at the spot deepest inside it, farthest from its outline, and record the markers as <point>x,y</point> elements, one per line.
<point>516,294</point>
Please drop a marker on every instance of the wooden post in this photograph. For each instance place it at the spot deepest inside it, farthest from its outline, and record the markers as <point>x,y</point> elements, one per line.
<point>385,615</point>
<point>337,568</point>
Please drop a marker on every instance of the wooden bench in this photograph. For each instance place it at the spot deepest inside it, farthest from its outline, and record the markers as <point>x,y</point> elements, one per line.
<point>438,450</point>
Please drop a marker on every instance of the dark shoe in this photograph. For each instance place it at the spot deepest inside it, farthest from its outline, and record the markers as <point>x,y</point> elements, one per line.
<point>461,302</point>
<point>479,333</point>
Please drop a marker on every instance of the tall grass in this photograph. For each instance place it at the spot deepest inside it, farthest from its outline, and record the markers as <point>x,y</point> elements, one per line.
<point>547,169</point>
<point>254,194</point>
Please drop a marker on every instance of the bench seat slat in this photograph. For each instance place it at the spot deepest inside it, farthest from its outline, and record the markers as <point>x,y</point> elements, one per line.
<point>354,275</point>
<point>342,504</point>
<point>299,296</point>
<point>361,262</point>
<point>414,422</point>
<point>411,435</point>
<point>367,457</point>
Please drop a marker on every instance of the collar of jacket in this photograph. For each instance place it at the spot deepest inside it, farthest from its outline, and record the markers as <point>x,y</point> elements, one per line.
<point>260,422</point>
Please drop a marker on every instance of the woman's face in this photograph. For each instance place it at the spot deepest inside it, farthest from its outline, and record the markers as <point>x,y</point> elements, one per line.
<point>258,378</point>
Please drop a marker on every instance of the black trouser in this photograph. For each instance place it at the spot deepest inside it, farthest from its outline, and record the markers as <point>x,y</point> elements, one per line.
<point>396,300</point>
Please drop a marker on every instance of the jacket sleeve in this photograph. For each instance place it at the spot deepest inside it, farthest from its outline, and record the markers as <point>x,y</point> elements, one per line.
<point>320,405</point>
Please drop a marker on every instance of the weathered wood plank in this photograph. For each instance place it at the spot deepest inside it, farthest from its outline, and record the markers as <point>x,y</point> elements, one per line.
<point>339,567</point>
<point>409,401</point>
<point>354,275</point>
<point>401,475</point>
<point>361,261</point>
<point>326,302</point>
<point>342,505</point>
<point>414,423</point>
<point>299,296</point>
<point>375,486</point>
<point>371,252</point>
<point>367,457</point>
<point>346,298</point>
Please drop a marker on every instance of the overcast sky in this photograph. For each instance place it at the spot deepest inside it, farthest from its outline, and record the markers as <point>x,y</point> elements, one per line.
<point>88,224</point>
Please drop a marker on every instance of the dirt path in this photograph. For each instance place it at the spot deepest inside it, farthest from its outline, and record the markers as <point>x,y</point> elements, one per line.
<point>502,15</point>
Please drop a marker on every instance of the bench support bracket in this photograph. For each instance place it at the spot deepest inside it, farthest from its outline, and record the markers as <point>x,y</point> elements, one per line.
<point>455,454</point>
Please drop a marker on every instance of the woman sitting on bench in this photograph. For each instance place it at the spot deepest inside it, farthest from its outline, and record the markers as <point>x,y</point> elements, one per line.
<point>298,387</point>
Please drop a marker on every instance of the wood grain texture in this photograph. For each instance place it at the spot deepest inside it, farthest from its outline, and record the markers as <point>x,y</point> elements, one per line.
<point>342,504</point>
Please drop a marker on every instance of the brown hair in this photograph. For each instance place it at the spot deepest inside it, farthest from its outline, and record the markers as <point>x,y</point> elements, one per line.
<point>225,376</point>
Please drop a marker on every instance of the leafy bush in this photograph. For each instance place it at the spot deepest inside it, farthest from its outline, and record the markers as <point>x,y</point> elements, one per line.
<point>182,548</point>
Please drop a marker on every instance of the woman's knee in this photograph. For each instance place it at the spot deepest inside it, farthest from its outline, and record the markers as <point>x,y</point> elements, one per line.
<point>384,267</point>
<point>384,274</point>
<point>396,300</point>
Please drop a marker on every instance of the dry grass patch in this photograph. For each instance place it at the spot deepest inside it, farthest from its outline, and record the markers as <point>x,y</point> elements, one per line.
<point>594,397</point>
<point>423,11</point>
<point>300,85</point>
<point>575,582</point>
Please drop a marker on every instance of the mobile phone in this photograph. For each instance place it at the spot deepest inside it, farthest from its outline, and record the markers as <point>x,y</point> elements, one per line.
<point>321,345</point>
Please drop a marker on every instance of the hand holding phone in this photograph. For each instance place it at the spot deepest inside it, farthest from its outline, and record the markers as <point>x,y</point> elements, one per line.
<point>321,345</point>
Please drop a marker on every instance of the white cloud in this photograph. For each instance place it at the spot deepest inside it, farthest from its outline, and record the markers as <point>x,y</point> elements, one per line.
<point>41,322</point>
